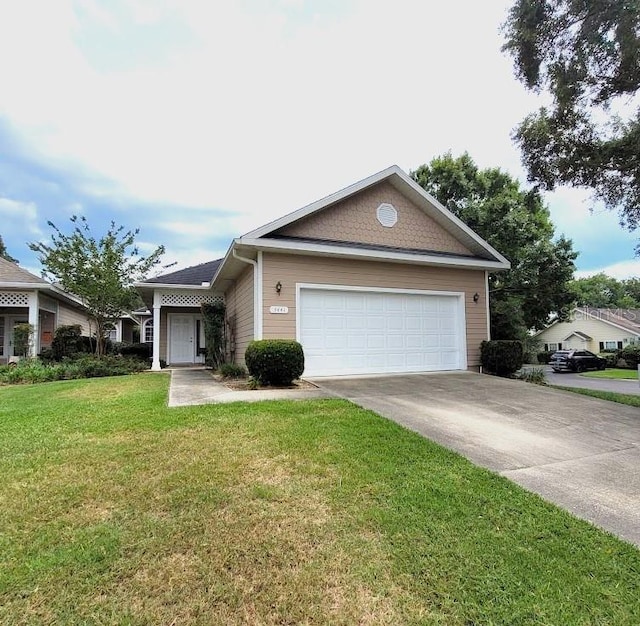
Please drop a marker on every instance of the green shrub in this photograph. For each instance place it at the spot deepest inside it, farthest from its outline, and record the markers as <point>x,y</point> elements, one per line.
<point>275,361</point>
<point>545,356</point>
<point>22,336</point>
<point>534,375</point>
<point>611,358</point>
<point>142,351</point>
<point>86,366</point>
<point>631,356</point>
<point>231,370</point>
<point>501,357</point>
<point>67,341</point>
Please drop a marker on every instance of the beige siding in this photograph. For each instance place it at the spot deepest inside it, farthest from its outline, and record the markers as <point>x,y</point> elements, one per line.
<point>239,305</point>
<point>292,269</point>
<point>355,220</point>
<point>598,330</point>
<point>68,316</point>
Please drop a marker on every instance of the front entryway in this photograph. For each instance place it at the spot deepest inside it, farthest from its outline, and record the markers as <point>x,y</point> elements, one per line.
<point>7,328</point>
<point>186,339</point>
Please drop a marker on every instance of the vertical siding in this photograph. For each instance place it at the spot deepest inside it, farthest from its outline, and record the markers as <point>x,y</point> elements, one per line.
<point>292,269</point>
<point>239,305</point>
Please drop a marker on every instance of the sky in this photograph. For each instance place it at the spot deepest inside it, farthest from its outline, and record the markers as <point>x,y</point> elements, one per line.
<point>196,121</point>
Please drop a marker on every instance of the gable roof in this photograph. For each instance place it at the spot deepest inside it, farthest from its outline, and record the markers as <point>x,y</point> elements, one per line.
<point>624,319</point>
<point>578,334</point>
<point>628,319</point>
<point>12,273</point>
<point>407,186</point>
<point>195,275</point>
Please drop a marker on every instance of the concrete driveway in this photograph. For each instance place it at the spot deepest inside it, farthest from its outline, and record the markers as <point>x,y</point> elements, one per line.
<point>581,453</point>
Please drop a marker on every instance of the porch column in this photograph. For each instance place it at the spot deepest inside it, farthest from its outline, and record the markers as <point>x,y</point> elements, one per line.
<point>34,313</point>
<point>155,364</point>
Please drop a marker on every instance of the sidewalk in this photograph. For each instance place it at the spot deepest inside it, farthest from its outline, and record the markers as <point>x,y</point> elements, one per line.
<point>192,386</point>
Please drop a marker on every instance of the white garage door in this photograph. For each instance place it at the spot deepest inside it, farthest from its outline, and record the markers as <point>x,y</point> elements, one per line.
<point>366,332</point>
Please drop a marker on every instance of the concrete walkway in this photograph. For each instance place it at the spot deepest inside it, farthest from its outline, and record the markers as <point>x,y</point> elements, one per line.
<point>191,386</point>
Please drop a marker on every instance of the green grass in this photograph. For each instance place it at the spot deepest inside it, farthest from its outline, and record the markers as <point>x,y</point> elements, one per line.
<point>118,510</point>
<point>614,372</point>
<point>621,398</point>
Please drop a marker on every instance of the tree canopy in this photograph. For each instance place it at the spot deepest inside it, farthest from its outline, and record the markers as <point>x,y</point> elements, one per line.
<point>516,223</point>
<point>605,292</point>
<point>4,253</point>
<point>101,272</point>
<point>586,55</point>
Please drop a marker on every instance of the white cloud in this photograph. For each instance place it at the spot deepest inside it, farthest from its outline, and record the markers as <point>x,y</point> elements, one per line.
<point>16,215</point>
<point>621,270</point>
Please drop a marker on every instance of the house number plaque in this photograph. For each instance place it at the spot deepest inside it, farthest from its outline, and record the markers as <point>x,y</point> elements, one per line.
<point>282,310</point>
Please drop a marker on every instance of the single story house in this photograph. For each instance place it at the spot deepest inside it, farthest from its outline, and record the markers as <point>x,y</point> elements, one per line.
<point>593,329</point>
<point>27,298</point>
<point>376,278</point>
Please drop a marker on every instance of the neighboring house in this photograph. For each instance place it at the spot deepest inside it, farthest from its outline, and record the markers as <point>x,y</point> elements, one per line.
<point>593,329</point>
<point>376,278</point>
<point>26,298</point>
<point>124,328</point>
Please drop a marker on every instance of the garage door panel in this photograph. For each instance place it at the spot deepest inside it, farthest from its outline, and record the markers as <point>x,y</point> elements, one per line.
<point>355,332</point>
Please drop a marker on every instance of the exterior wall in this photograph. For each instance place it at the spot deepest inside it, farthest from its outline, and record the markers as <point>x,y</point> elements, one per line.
<point>239,305</point>
<point>292,269</point>
<point>355,220</point>
<point>598,330</point>
<point>67,316</point>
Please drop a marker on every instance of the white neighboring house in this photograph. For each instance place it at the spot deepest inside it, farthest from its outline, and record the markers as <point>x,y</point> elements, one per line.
<point>28,299</point>
<point>592,329</point>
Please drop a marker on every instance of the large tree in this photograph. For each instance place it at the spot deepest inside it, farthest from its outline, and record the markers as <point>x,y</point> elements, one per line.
<point>602,291</point>
<point>585,54</point>
<point>101,272</point>
<point>516,223</point>
<point>4,253</point>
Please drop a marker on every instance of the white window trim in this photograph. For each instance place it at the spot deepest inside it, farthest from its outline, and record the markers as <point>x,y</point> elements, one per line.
<point>613,341</point>
<point>145,325</point>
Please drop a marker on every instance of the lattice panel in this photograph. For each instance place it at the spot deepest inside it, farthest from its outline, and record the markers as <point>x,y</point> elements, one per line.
<point>14,298</point>
<point>180,298</point>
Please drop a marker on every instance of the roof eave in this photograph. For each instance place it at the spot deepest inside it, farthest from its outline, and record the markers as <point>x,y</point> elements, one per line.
<point>318,249</point>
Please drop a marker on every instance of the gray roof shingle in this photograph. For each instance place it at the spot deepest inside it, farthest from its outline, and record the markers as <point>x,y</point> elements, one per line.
<point>195,275</point>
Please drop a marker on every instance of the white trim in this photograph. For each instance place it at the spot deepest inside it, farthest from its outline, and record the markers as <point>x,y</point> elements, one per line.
<point>323,249</point>
<point>34,318</point>
<point>260,314</point>
<point>353,189</point>
<point>460,295</point>
<point>171,286</point>
<point>486,298</point>
<point>155,363</point>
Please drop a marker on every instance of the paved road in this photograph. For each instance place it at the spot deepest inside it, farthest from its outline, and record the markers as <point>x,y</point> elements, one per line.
<point>581,453</point>
<point>584,382</point>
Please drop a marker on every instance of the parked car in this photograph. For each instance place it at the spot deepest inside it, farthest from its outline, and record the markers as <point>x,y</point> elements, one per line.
<point>576,361</point>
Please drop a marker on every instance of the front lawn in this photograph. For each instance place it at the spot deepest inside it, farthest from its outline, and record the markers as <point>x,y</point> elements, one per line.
<point>118,510</point>
<point>614,372</point>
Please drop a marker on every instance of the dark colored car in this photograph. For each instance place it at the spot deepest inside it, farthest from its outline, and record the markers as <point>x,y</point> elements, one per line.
<point>576,361</point>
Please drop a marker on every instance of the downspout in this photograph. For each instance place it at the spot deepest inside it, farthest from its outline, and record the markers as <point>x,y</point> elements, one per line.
<point>257,292</point>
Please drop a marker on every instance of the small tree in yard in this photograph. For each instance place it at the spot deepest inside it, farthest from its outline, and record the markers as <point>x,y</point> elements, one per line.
<point>101,272</point>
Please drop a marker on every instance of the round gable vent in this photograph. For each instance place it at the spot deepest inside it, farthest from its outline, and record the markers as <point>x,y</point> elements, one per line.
<point>387,215</point>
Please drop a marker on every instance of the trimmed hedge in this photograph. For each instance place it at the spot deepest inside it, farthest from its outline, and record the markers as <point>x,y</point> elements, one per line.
<point>501,357</point>
<point>275,361</point>
<point>611,358</point>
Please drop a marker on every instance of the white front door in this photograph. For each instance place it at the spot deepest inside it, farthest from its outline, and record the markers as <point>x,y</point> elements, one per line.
<point>182,339</point>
